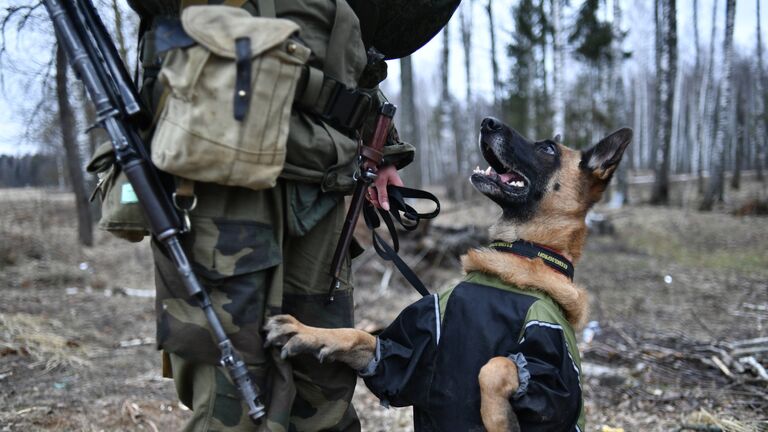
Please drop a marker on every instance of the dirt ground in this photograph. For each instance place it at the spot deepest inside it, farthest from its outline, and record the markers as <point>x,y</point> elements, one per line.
<point>670,287</point>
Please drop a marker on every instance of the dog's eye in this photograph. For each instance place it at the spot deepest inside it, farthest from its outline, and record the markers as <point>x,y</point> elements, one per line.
<point>547,147</point>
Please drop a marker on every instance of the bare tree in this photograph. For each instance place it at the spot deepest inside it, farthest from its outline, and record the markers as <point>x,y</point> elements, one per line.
<point>706,105</point>
<point>618,100</point>
<point>71,147</point>
<point>407,120</point>
<point>444,108</point>
<point>465,16</point>
<point>558,99</point>
<point>760,102</point>
<point>717,173</point>
<point>494,61</point>
<point>741,129</point>
<point>667,68</point>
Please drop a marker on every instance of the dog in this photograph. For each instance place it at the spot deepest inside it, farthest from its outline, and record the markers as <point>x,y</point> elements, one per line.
<point>498,351</point>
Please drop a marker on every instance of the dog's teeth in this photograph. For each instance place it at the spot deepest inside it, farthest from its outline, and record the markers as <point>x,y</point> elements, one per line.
<point>488,171</point>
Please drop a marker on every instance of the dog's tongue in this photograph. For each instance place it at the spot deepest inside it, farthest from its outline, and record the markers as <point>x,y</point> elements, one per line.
<point>510,176</point>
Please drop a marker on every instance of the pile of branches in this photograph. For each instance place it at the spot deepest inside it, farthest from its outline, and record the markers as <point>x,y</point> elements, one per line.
<point>731,372</point>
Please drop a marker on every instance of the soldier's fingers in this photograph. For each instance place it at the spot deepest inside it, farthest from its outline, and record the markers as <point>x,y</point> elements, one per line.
<point>382,195</point>
<point>373,197</point>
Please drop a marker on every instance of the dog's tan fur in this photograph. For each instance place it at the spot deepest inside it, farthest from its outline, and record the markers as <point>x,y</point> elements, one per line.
<point>559,224</point>
<point>534,275</point>
<point>350,346</point>
<point>498,381</point>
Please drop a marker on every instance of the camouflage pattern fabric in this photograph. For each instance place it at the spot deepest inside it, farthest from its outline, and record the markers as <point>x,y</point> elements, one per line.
<point>260,253</point>
<point>254,265</point>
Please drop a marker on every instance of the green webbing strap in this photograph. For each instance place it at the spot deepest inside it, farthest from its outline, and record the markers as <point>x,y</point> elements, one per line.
<point>311,92</point>
<point>267,8</point>
<point>187,3</point>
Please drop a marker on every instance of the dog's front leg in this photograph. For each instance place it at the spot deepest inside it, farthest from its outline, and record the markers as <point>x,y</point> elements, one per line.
<point>353,347</point>
<point>498,381</point>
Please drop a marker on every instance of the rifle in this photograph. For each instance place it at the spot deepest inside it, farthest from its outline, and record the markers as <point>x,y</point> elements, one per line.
<point>370,159</point>
<point>119,111</point>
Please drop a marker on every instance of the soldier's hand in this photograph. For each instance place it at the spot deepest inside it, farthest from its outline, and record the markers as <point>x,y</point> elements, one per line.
<point>377,194</point>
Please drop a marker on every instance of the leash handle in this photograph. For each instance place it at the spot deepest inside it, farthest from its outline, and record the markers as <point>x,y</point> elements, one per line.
<point>388,252</point>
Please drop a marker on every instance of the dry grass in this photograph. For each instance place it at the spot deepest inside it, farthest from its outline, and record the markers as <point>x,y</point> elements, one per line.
<point>44,340</point>
<point>726,424</point>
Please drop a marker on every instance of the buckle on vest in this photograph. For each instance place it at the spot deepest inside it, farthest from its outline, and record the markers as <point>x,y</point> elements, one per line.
<point>346,108</point>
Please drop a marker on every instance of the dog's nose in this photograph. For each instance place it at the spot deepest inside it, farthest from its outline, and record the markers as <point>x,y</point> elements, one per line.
<point>490,124</point>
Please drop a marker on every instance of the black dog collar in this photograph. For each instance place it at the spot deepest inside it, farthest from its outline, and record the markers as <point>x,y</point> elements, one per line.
<point>532,250</point>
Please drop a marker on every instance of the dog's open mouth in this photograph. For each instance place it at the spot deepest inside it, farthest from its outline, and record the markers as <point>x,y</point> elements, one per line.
<point>499,181</point>
<point>512,181</point>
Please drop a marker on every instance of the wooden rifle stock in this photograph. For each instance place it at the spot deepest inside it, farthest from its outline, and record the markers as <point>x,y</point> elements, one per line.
<point>370,159</point>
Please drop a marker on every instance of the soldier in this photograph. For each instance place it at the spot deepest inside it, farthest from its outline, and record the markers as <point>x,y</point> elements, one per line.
<point>265,252</point>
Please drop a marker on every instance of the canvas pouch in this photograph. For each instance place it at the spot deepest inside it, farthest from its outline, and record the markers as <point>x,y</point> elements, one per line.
<point>121,213</point>
<point>226,115</point>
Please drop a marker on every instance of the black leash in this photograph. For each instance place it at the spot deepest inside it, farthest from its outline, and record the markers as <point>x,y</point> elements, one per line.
<point>408,218</point>
<point>527,249</point>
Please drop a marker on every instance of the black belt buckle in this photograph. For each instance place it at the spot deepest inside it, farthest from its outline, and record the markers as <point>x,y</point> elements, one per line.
<point>346,108</point>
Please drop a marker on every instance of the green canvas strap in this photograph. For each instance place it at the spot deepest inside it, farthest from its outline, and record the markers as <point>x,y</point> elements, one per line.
<point>266,8</point>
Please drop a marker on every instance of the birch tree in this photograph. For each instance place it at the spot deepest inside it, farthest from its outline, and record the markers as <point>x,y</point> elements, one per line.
<point>717,173</point>
<point>558,99</point>
<point>618,101</point>
<point>707,104</point>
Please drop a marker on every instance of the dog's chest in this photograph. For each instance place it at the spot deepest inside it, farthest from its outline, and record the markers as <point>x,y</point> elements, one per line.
<point>479,322</point>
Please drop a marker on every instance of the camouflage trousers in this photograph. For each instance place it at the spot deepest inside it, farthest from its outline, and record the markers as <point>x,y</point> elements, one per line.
<point>259,253</point>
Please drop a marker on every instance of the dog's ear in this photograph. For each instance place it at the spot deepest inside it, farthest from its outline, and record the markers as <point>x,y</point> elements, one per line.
<point>603,158</point>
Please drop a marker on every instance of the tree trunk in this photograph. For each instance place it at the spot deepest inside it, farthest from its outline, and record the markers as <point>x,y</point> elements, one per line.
<point>449,144</point>
<point>666,91</point>
<point>558,54</point>
<point>71,148</point>
<point>760,102</point>
<point>741,135</point>
<point>717,173</point>
<point>707,105</point>
<point>494,63</point>
<point>465,14</point>
<point>407,118</point>
<point>618,102</point>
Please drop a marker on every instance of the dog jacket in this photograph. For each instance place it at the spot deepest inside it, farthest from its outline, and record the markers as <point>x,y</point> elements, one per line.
<point>431,355</point>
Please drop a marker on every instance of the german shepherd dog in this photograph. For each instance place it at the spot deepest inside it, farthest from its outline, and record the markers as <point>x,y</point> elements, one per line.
<point>498,351</point>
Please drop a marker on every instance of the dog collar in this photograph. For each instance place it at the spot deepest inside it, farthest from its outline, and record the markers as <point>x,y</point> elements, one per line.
<point>527,249</point>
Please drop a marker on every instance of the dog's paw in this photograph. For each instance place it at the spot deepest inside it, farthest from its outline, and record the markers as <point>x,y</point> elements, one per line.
<point>293,337</point>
